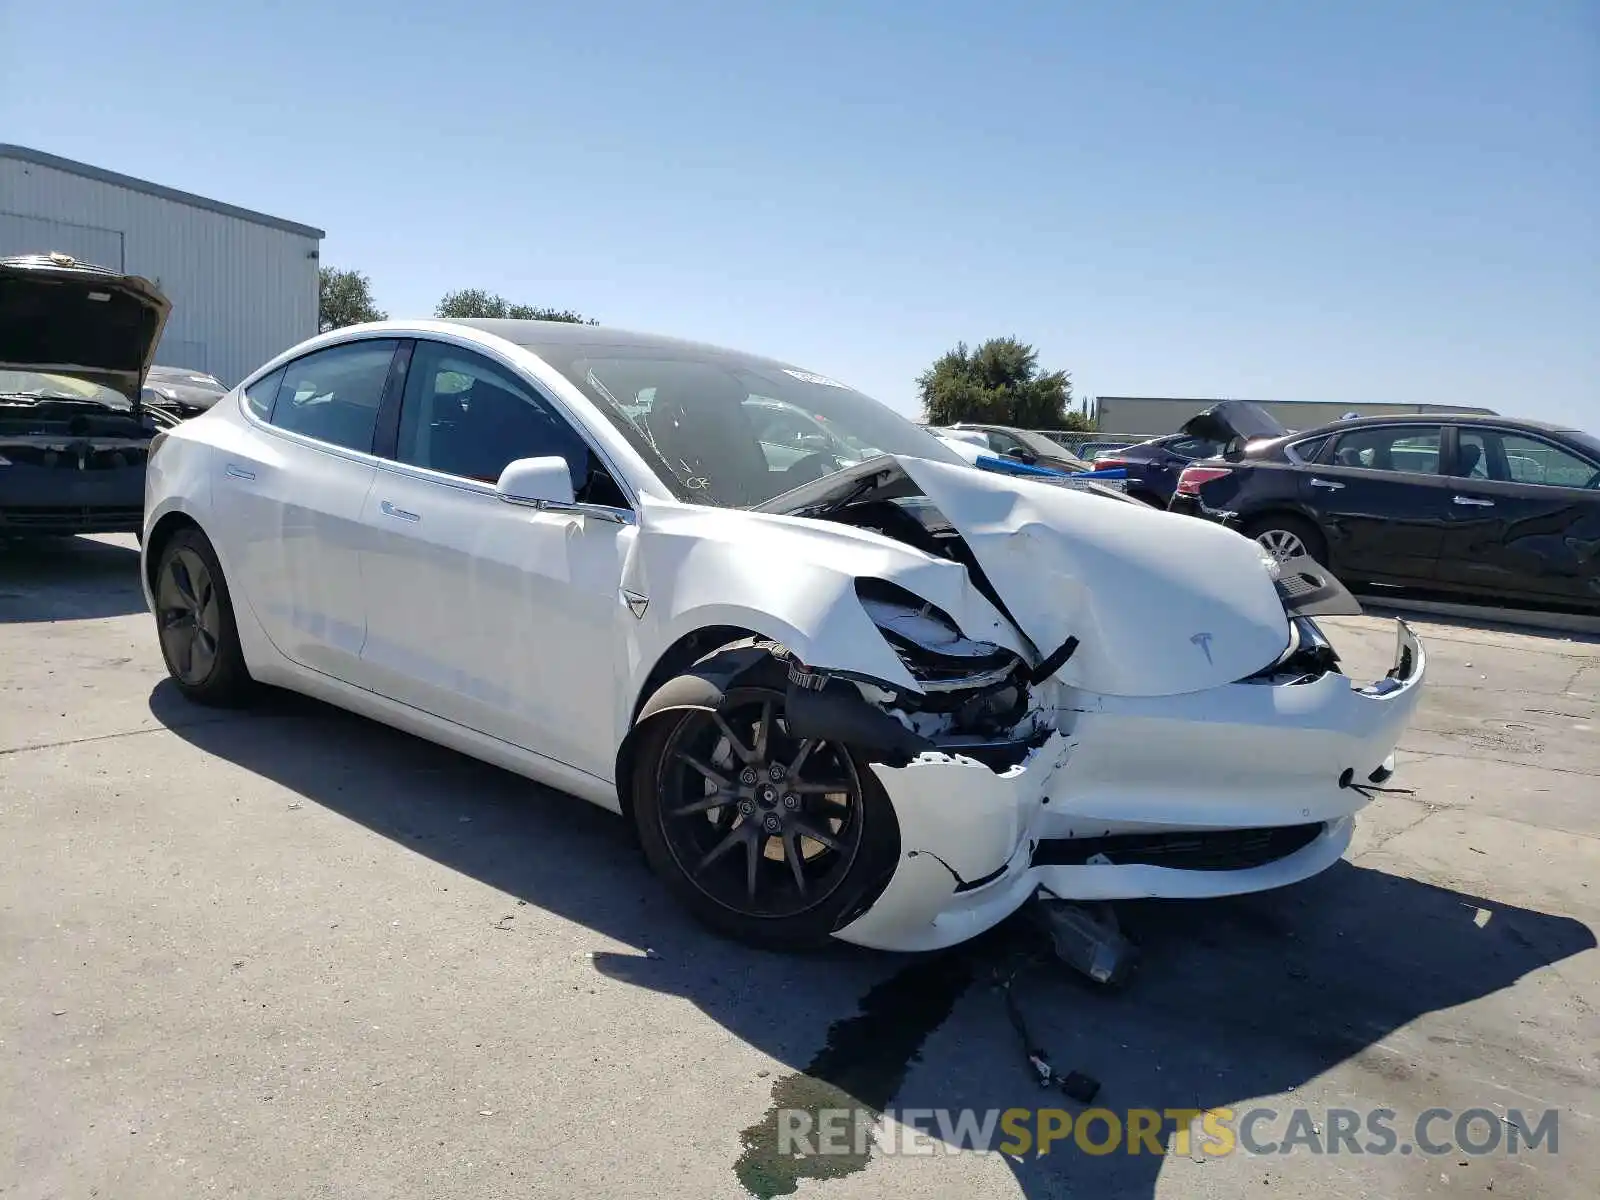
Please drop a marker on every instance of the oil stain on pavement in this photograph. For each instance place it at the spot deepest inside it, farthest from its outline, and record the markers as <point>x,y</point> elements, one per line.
<point>861,1066</point>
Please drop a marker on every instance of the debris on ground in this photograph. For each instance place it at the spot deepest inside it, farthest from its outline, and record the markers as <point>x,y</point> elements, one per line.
<point>1086,938</point>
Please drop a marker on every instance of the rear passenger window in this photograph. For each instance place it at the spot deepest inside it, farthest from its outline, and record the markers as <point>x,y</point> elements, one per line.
<point>333,395</point>
<point>1409,448</point>
<point>260,394</point>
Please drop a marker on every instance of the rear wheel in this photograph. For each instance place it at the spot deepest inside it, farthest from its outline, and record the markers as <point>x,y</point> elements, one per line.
<point>194,617</point>
<point>1285,536</point>
<point>768,838</point>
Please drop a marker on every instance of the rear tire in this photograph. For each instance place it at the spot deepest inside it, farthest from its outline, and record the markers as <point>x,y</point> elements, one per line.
<point>1286,536</point>
<point>194,619</point>
<point>762,839</point>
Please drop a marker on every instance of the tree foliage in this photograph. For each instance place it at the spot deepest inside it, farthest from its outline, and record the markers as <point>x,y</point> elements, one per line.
<point>475,302</point>
<point>999,383</point>
<point>344,298</point>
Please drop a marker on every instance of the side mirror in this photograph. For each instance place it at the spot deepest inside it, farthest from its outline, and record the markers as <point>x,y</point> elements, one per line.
<point>540,482</point>
<point>1026,457</point>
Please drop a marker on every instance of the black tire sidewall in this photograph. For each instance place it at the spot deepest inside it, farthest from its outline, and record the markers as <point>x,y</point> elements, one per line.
<point>875,862</point>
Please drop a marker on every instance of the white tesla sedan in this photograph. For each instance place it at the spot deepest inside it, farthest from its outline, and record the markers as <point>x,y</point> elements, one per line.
<point>868,693</point>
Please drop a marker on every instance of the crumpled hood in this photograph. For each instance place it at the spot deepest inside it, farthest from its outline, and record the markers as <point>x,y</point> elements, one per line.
<point>62,317</point>
<point>1161,604</point>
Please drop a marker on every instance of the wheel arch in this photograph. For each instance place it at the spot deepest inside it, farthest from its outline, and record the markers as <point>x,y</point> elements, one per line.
<point>158,537</point>
<point>691,690</point>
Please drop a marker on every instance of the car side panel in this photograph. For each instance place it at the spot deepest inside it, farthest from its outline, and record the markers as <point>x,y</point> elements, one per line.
<point>1524,541</point>
<point>1386,526</point>
<point>290,513</point>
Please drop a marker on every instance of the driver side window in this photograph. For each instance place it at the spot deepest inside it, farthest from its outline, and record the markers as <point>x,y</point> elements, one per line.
<point>465,415</point>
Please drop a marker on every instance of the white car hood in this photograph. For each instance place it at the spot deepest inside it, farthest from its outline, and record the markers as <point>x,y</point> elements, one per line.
<point>1161,604</point>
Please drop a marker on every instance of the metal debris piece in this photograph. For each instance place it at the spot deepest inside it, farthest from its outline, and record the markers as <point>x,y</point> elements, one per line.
<point>1086,938</point>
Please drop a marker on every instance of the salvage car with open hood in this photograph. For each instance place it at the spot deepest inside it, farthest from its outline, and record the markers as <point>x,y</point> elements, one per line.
<point>881,696</point>
<point>75,343</point>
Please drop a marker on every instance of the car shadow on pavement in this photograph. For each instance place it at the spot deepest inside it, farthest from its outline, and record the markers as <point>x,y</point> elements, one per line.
<point>67,578</point>
<point>1249,997</point>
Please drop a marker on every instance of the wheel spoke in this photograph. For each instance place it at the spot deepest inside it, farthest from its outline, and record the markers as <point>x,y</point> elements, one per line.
<point>739,748</point>
<point>185,654</point>
<point>710,772</point>
<point>763,732</point>
<point>821,787</point>
<point>705,804</point>
<point>791,851</point>
<point>179,574</point>
<point>806,747</point>
<point>735,835</point>
<point>832,808</point>
<point>202,653</point>
<point>753,849</point>
<point>806,829</point>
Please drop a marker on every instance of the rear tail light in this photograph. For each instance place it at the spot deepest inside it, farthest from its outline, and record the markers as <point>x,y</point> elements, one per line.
<point>1110,464</point>
<point>1191,479</point>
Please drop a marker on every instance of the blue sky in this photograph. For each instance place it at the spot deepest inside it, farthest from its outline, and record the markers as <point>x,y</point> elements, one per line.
<point>1345,201</point>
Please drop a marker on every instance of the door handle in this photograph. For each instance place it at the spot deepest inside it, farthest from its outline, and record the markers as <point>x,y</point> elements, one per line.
<point>390,510</point>
<point>237,472</point>
<point>1472,502</point>
<point>1326,483</point>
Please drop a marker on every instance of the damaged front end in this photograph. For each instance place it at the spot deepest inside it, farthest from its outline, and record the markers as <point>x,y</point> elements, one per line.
<point>1202,742</point>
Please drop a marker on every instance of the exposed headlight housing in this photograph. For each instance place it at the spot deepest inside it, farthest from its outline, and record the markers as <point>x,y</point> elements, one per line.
<point>933,649</point>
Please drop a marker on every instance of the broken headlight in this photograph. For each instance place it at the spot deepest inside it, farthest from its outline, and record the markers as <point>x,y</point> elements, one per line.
<point>983,687</point>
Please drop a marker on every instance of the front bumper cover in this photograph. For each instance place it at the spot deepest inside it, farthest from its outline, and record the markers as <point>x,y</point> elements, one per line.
<point>1248,755</point>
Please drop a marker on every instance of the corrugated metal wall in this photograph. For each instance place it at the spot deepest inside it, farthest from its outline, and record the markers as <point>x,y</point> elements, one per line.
<point>240,291</point>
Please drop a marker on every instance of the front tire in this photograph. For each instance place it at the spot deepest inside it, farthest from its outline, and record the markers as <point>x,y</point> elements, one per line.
<point>770,839</point>
<point>194,618</point>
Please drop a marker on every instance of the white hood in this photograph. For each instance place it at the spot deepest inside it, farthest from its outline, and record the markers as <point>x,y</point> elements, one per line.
<point>1161,604</point>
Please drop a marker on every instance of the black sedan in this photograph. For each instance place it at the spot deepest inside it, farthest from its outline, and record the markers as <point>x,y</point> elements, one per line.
<point>1477,508</point>
<point>181,390</point>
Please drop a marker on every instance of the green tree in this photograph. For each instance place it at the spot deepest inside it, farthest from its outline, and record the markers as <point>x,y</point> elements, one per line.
<point>475,302</point>
<point>344,298</point>
<point>999,383</point>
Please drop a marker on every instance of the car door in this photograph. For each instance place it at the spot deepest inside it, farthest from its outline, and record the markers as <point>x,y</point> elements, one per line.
<point>288,491</point>
<point>1525,522</point>
<point>1381,501</point>
<point>500,617</point>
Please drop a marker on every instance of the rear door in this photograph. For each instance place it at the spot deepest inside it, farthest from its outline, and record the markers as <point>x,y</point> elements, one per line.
<point>1382,502</point>
<point>289,488</point>
<point>1525,520</point>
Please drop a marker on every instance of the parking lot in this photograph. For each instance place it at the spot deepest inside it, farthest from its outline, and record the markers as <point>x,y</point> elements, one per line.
<point>288,952</point>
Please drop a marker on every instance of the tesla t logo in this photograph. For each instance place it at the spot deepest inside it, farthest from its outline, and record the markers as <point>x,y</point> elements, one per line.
<point>1203,640</point>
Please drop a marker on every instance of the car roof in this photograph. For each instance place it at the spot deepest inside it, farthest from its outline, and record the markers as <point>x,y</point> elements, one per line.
<point>569,333</point>
<point>1430,418</point>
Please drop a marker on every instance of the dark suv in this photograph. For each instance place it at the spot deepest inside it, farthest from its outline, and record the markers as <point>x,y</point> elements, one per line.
<point>1463,506</point>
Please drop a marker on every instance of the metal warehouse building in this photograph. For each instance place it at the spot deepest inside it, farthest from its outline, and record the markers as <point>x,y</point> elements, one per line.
<point>1150,416</point>
<point>243,285</point>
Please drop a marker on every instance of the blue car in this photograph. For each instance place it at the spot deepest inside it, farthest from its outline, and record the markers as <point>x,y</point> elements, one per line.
<point>1153,467</point>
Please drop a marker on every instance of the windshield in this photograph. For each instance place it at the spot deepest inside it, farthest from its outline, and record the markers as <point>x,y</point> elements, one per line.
<point>44,386</point>
<point>730,430</point>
